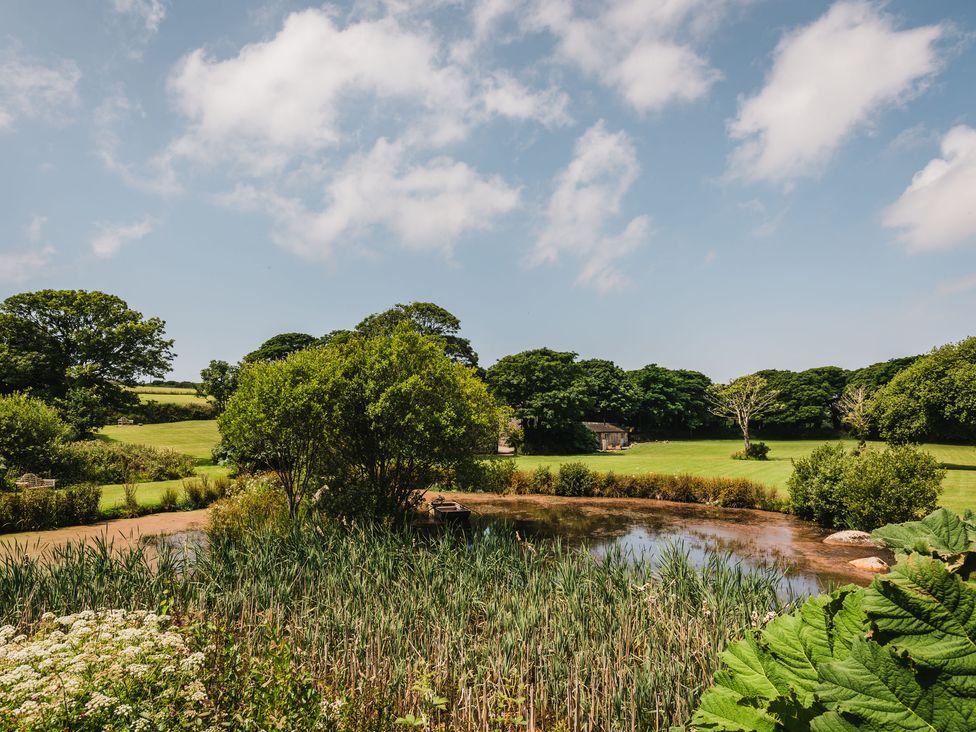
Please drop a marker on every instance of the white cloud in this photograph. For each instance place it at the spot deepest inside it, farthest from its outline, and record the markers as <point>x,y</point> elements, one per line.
<point>35,228</point>
<point>828,78</point>
<point>149,13</point>
<point>938,209</point>
<point>506,96</point>
<point>282,97</point>
<point>644,50</point>
<point>958,285</point>
<point>21,266</point>
<point>109,238</point>
<point>109,117</point>
<point>34,91</point>
<point>426,206</point>
<point>588,193</point>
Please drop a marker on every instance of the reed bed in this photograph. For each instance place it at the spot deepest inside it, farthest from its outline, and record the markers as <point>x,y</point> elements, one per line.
<point>509,634</point>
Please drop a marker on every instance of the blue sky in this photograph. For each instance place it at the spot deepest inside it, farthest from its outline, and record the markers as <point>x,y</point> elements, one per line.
<point>724,185</point>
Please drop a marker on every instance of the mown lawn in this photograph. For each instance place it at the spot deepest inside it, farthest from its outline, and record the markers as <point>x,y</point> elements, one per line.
<point>196,438</point>
<point>168,395</point>
<point>711,457</point>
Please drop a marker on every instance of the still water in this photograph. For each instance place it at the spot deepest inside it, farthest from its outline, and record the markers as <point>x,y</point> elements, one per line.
<point>643,528</point>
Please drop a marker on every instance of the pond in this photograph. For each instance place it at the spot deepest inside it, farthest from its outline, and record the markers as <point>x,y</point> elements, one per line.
<point>643,528</point>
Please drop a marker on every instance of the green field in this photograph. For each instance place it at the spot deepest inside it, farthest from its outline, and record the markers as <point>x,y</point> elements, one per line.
<point>196,438</point>
<point>711,457</point>
<point>169,395</point>
<point>699,457</point>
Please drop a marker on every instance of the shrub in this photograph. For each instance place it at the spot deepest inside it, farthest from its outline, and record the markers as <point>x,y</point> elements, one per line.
<point>258,504</point>
<point>575,479</point>
<point>115,462</point>
<point>755,451</point>
<point>31,434</point>
<point>201,492</point>
<point>865,489</point>
<point>170,499</point>
<point>490,476</point>
<point>36,509</point>
<point>153,412</point>
<point>543,481</point>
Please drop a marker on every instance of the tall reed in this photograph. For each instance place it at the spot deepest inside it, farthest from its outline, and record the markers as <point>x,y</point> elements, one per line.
<point>502,629</point>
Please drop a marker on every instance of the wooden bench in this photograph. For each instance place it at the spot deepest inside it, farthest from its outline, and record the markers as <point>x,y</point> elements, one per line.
<point>124,421</point>
<point>29,480</point>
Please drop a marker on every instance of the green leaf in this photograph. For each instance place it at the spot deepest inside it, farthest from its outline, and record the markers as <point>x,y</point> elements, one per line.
<point>878,692</point>
<point>927,612</point>
<point>725,710</point>
<point>941,534</point>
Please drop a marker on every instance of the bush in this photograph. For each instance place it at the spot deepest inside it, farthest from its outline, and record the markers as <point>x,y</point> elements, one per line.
<point>489,476</point>
<point>201,492</point>
<point>575,479</point>
<point>865,489</point>
<point>31,434</point>
<point>755,451</point>
<point>170,499</point>
<point>153,412</point>
<point>115,462</point>
<point>36,509</point>
<point>543,481</point>
<point>258,503</point>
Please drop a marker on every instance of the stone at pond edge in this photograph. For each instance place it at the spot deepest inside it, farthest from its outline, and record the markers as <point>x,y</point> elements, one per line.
<point>850,538</point>
<point>870,564</point>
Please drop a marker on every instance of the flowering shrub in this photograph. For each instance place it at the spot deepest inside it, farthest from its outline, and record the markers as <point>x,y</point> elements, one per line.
<point>105,670</point>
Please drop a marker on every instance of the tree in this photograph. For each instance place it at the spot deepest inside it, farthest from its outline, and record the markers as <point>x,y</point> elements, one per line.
<point>76,349</point>
<point>613,396</point>
<point>428,319</point>
<point>854,407</point>
<point>280,346</point>
<point>934,399</point>
<point>743,400</point>
<point>549,395</point>
<point>276,418</point>
<point>807,399</point>
<point>372,421</point>
<point>218,381</point>
<point>31,434</point>
<point>671,402</point>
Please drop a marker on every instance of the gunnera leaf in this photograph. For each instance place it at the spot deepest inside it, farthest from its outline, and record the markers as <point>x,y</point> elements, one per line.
<point>941,534</point>
<point>927,613</point>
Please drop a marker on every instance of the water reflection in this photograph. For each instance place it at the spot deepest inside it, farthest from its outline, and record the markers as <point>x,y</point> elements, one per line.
<point>641,529</point>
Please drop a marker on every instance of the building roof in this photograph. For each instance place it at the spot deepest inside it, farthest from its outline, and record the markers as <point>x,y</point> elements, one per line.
<point>602,427</point>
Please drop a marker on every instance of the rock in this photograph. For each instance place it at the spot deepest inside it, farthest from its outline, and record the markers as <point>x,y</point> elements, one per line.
<point>870,564</point>
<point>850,538</point>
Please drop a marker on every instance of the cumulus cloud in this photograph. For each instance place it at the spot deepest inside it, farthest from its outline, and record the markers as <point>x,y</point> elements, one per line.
<point>109,238</point>
<point>506,96</point>
<point>20,266</point>
<point>427,206</point>
<point>588,194</point>
<point>828,78</point>
<point>34,91</point>
<point>282,97</point>
<point>149,13</point>
<point>938,209</point>
<point>643,50</point>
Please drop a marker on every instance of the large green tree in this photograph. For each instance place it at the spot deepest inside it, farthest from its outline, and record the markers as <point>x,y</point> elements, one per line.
<point>280,346</point>
<point>371,421</point>
<point>743,401</point>
<point>612,394</point>
<point>428,319</point>
<point>218,381</point>
<point>671,402</point>
<point>934,399</point>
<point>76,349</point>
<point>548,393</point>
<point>807,399</point>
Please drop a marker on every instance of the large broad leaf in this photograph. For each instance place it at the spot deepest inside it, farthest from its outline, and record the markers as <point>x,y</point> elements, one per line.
<point>928,613</point>
<point>725,710</point>
<point>874,690</point>
<point>941,534</point>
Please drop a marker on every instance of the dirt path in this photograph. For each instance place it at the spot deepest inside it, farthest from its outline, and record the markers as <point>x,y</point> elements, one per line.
<point>121,532</point>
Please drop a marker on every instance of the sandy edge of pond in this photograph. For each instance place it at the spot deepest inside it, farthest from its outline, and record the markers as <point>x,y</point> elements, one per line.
<point>121,533</point>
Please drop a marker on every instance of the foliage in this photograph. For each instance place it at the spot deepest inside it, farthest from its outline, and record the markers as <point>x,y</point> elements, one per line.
<point>201,492</point>
<point>854,408</point>
<point>876,375</point>
<point>613,395</point>
<point>743,400</point>
<point>864,489</point>
<point>805,401</point>
<point>755,451</point>
<point>428,319</point>
<point>73,349</point>
<point>258,504</point>
<point>275,348</point>
<point>376,420</point>
<point>575,479</point>
<point>490,476</point>
<point>118,462</point>
<point>31,434</point>
<point>169,500</point>
<point>157,412</point>
<point>35,509</point>
<point>105,670</point>
<point>671,402</point>
<point>218,382</point>
<point>897,655</point>
<point>933,400</point>
<point>345,606</point>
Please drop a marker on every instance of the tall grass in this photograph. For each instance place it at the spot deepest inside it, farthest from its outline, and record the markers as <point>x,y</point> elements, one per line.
<point>502,629</point>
